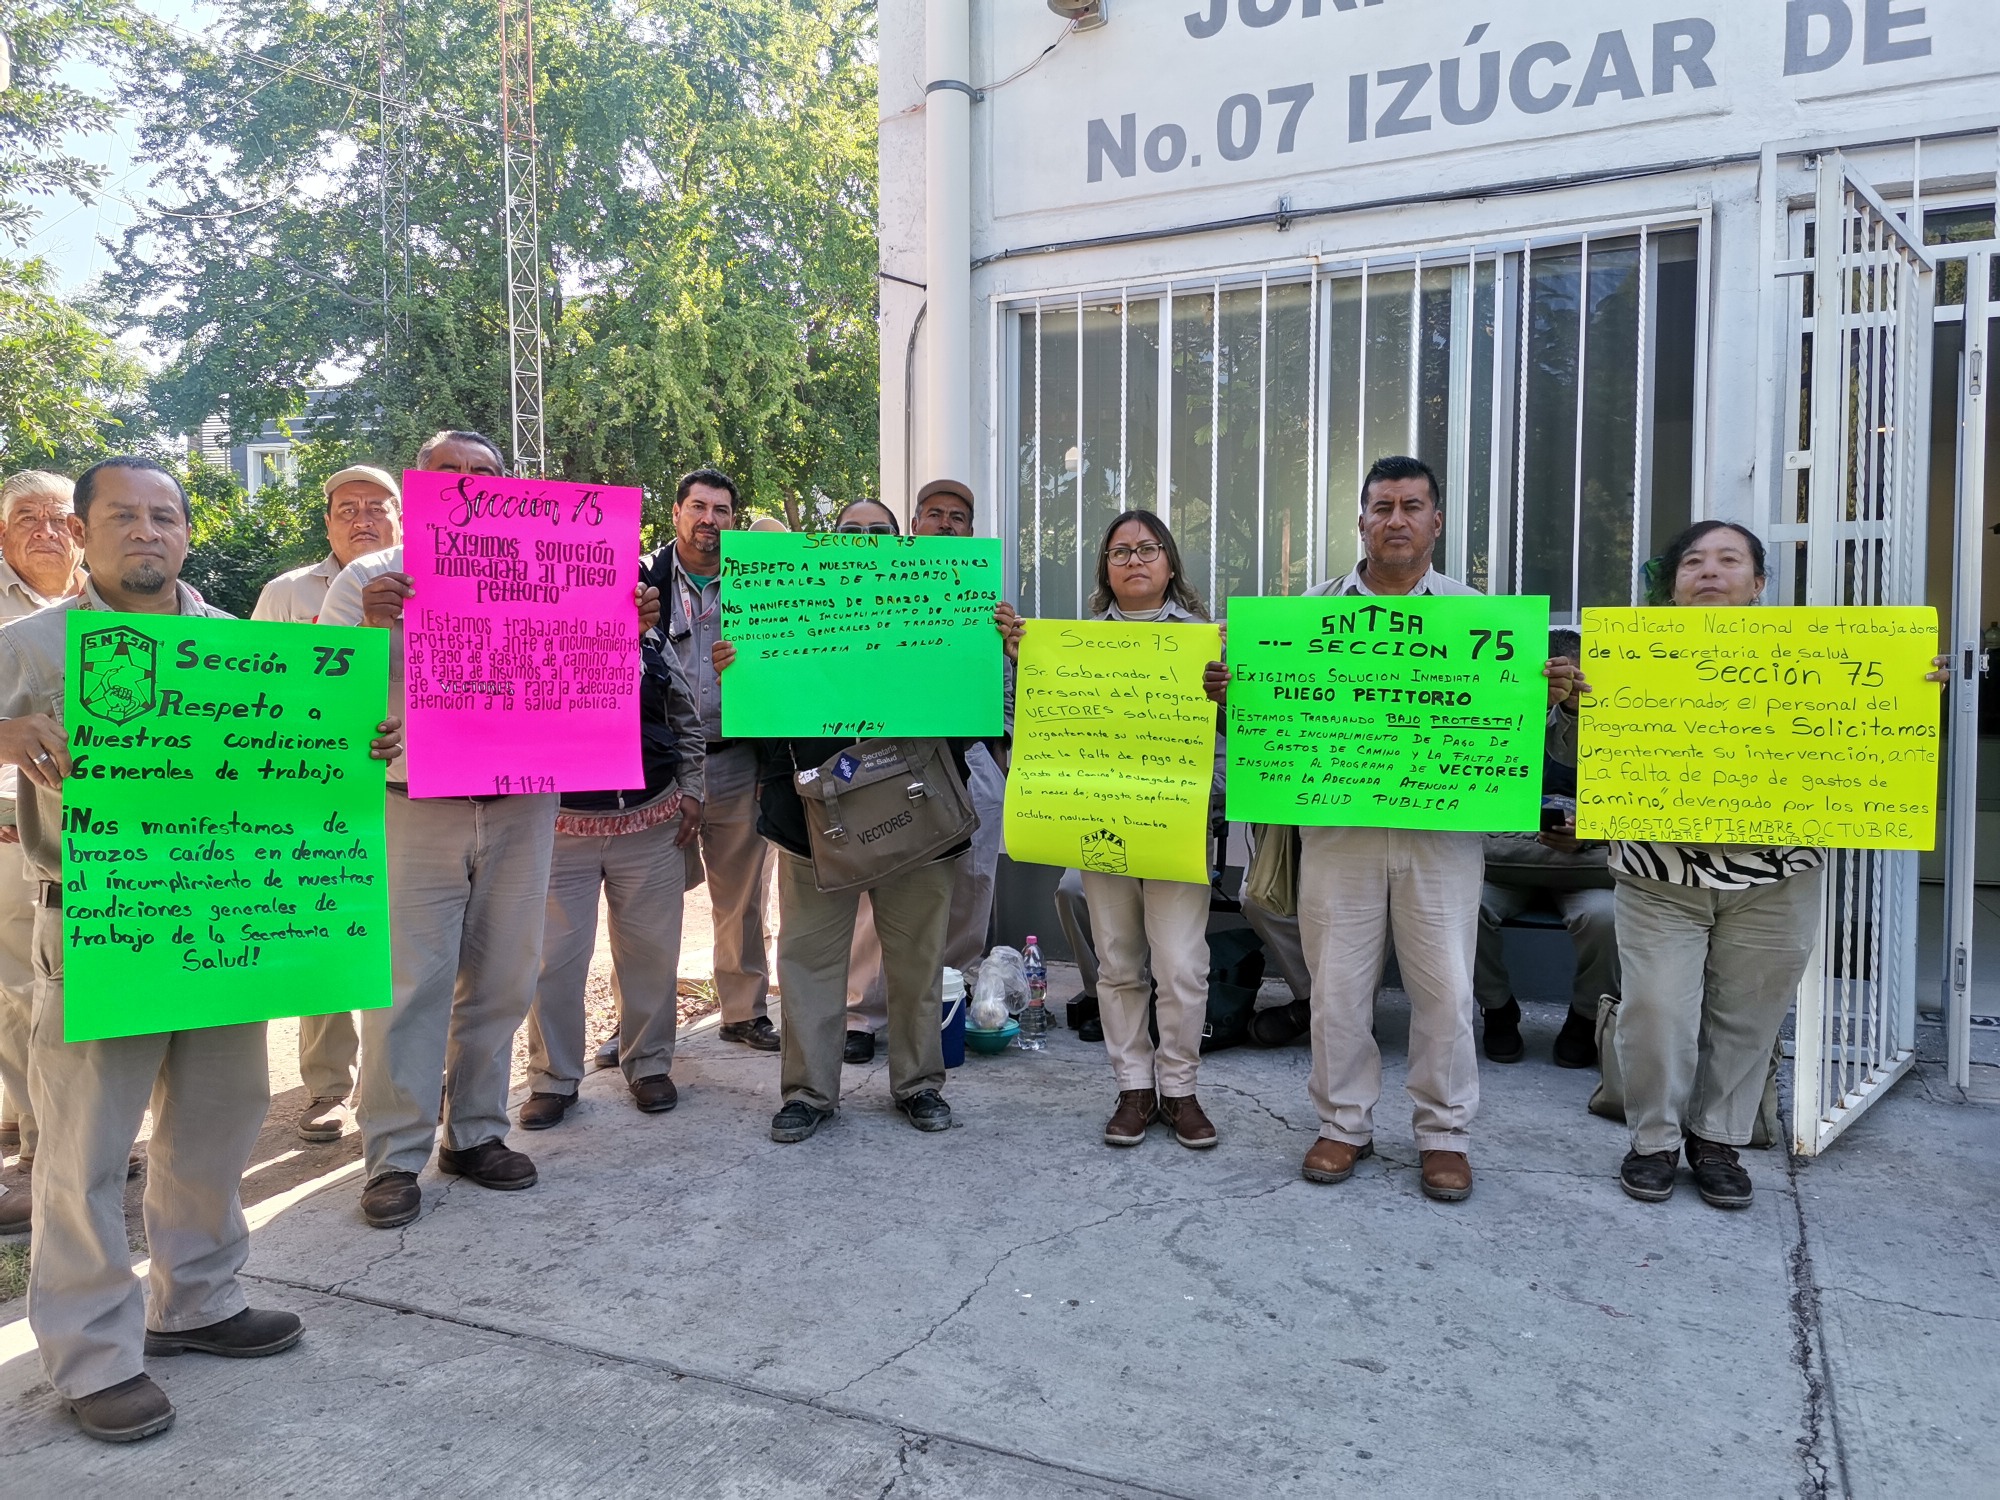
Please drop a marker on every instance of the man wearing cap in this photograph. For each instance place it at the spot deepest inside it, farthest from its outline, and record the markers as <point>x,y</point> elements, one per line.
<point>39,565</point>
<point>943,508</point>
<point>363,515</point>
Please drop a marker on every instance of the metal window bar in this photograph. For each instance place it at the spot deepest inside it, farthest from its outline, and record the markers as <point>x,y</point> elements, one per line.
<point>1124,389</point>
<point>1163,427</point>
<point>1361,380</point>
<point>1639,423</point>
<point>1416,352</point>
<point>1495,507</point>
<point>1263,416</point>
<point>1038,457</point>
<point>1521,435</point>
<point>1576,481</point>
<point>1214,440</point>
<point>1315,438</point>
<point>1081,597</point>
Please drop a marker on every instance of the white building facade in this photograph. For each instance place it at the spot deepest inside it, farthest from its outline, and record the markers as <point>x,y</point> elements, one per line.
<point>1213,257</point>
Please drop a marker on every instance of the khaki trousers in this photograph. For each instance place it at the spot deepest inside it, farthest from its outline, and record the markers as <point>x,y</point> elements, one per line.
<point>328,1046</point>
<point>1356,886</point>
<point>208,1091</point>
<point>1163,923</point>
<point>971,902</point>
<point>815,938</point>
<point>1709,976</point>
<point>17,991</point>
<point>736,859</point>
<point>468,883</point>
<point>642,876</point>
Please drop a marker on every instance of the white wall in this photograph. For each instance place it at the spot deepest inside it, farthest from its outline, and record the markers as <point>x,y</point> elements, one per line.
<point>1706,79</point>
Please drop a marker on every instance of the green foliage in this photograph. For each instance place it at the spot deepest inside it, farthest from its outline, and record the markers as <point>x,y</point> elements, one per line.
<point>239,542</point>
<point>65,388</point>
<point>38,113</point>
<point>707,172</point>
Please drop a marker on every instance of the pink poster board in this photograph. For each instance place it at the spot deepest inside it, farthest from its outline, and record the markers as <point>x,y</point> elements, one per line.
<point>522,640</point>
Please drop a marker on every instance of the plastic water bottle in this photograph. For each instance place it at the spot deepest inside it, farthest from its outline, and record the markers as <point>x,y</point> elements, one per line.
<point>1035,1016</point>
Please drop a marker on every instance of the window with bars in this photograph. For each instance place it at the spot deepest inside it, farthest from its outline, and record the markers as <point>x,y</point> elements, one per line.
<point>1245,411</point>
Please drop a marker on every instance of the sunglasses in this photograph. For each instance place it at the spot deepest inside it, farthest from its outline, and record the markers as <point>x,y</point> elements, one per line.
<point>872,528</point>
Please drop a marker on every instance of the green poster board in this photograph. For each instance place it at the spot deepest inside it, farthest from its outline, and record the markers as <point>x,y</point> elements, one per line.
<point>223,855</point>
<point>1377,712</point>
<point>839,634</point>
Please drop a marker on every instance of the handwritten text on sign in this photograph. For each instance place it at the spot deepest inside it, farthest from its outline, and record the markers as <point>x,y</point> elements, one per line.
<point>222,831</point>
<point>1114,749</point>
<point>852,634</point>
<point>1367,712</point>
<point>522,640</point>
<point>1760,726</point>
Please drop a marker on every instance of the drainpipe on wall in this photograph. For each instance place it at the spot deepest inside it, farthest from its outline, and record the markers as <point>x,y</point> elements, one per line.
<point>947,242</point>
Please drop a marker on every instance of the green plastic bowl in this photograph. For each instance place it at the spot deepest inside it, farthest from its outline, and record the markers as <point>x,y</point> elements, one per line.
<point>991,1043</point>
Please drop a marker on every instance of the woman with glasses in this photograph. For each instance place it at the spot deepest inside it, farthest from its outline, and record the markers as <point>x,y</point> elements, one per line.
<point>1161,925</point>
<point>866,518</point>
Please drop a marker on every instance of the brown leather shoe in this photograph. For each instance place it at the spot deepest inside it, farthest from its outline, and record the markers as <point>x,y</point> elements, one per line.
<point>1192,1128</point>
<point>322,1120</point>
<point>1333,1161</point>
<point>656,1095</point>
<point>16,1211</point>
<point>392,1200</point>
<point>491,1164</point>
<point>540,1111</point>
<point>1137,1108</point>
<point>1447,1176</point>
<point>125,1412</point>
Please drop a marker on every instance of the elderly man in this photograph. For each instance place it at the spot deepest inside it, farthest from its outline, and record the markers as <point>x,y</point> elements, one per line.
<point>363,515</point>
<point>469,883</point>
<point>1357,886</point>
<point>38,566</point>
<point>689,576</point>
<point>944,508</point>
<point>208,1089</point>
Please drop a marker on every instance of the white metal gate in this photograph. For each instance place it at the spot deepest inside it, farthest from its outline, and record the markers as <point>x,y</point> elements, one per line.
<point>1863,391</point>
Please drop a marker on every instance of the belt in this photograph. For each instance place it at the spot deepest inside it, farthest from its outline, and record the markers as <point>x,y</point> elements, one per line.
<point>48,894</point>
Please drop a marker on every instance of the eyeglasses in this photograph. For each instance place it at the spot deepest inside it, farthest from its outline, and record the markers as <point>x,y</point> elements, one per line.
<point>873,528</point>
<point>1145,552</point>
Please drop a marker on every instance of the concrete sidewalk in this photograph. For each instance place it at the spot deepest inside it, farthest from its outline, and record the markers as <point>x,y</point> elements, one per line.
<point>683,1308</point>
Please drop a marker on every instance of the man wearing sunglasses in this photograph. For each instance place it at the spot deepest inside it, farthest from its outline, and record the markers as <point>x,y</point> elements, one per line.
<point>944,508</point>
<point>364,514</point>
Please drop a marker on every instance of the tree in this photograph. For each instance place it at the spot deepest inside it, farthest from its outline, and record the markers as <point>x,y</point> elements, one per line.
<point>707,171</point>
<point>65,386</point>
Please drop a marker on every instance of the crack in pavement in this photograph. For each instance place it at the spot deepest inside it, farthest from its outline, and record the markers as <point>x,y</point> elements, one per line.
<point>1124,1485</point>
<point>1013,1250</point>
<point>1228,1088</point>
<point>1932,1312</point>
<point>910,1443</point>
<point>402,1237</point>
<point>1821,1417</point>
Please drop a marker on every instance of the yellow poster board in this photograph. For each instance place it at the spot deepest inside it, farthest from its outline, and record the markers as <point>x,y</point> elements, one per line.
<point>1814,727</point>
<point>1114,748</point>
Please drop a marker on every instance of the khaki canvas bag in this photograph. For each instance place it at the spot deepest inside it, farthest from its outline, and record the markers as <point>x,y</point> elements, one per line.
<point>1273,878</point>
<point>881,807</point>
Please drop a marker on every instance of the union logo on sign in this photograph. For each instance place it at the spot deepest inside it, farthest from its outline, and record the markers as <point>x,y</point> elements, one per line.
<point>118,674</point>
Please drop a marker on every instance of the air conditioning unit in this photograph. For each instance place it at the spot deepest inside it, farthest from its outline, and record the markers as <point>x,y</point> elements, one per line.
<point>1084,15</point>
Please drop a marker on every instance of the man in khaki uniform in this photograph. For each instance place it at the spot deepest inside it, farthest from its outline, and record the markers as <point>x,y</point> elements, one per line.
<point>468,883</point>
<point>208,1089</point>
<point>363,514</point>
<point>38,566</point>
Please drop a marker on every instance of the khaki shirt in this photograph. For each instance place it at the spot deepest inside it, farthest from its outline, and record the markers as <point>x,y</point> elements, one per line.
<point>297,597</point>
<point>18,600</point>
<point>32,657</point>
<point>342,606</point>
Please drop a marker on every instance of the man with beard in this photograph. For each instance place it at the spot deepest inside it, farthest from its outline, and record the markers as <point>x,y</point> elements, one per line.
<point>38,566</point>
<point>363,515</point>
<point>208,1088</point>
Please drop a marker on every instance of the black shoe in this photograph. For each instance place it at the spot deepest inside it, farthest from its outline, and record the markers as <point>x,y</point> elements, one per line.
<point>656,1095</point>
<point>607,1055</point>
<point>758,1033</point>
<point>1092,1029</point>
<point>796,1121</point>
<point>1081,1008</point>
<point>125,1412</point>
<point>251,1334</point>
<point>1649,1178</point>
<point>927,1110</point>
<point>1576,1043</point>
<point>491,1164</point>
<point>543,1110</point>
<point>1718,1175</point>
<point>1503,1033</point>
<point>392,1200</point>
<point>860,1048</point>
<point>1281,1025</point>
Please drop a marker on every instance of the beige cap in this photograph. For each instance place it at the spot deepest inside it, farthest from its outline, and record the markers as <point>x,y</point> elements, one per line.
<point>370,474</point>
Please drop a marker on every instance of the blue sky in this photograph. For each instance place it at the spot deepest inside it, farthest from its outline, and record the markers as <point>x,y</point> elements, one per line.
<point>69,231</point>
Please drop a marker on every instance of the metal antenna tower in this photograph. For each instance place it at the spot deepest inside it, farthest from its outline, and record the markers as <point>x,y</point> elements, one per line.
<point>397,140</point>
<point>524,245</point>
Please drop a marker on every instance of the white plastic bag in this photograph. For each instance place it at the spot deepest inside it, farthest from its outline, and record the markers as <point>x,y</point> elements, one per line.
<point>989,1000</point>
